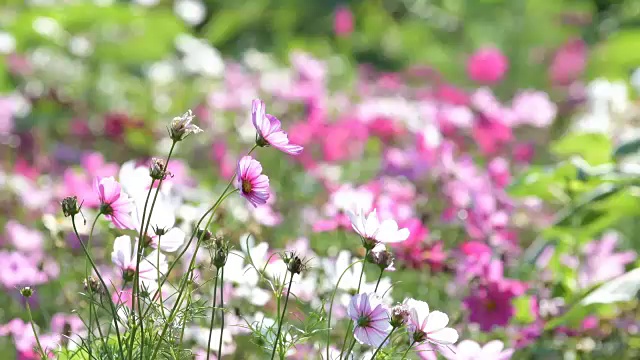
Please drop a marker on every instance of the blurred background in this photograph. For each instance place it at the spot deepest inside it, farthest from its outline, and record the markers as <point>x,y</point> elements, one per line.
<point>85,84</point>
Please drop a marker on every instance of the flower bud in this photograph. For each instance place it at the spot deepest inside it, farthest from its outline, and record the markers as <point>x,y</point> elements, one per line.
<point>181,127</point>
<point>204,235</point>
<point>158,169</point>
<point>159,231</point>
<point>70,206</point>
<point>295,265</point>
<point>92,284</point>
<point>26,292</point>
<point>399,315</point>
<point>382,257</point>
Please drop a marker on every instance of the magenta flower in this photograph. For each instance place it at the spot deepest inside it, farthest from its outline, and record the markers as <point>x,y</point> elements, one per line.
<point>253,185</point>
<point>487,66</point>
<point>491,304</point>
<point>429,326</point>
<point>371,318</point>
<point>343,21</point>
<point>114,203</point>
<point>269,130</point>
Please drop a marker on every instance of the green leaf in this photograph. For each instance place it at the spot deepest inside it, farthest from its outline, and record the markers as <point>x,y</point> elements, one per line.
<point>628,148</point>
<point>524,315</point>
<point>595,148</point>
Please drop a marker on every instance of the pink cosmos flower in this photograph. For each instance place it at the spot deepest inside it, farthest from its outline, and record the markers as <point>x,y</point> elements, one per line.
<point>269,130</point>
<point>602,262</point>
<point>343,21</point>
<point>371,319</point>
<point>429,326</point>
<point>569,62</point>
<point>534,108</point>
<point>487,66</point>
<point>253,185</point>
<point>491,304</point>
<point>114,203</point>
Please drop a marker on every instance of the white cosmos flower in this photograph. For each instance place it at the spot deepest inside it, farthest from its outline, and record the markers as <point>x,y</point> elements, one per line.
<point>370,228</point>
<point>124,257</point>
<point>429,326</point>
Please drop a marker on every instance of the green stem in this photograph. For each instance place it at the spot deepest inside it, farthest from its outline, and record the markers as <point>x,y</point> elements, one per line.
<point>350,349</point>
<point>346,335</point>
<point>404,356</point>
<point>333,295</point>
<point>92,309</point>
<point>190,269</point>
<point>219,354</point>
<point>378,282</point>
<point>140,248</point>
<point>114,313</point>
<point>213,312</point>
<point>382,344</point>
<point>33,327</point>
<point>284,312</point>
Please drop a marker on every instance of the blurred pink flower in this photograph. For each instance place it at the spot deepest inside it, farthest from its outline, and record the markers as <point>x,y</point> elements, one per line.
<point>114,203</point>
<point>23,238</point>
<point>253,185</point>
<point>490,303</point>
<point>487,66</point>
<point>269,130</point>
<point>371,319</point>
<point>601,262</point>
<point>569,62</point>
<point>343,21</point>
<point>8,108</point>
<point>534,108</point>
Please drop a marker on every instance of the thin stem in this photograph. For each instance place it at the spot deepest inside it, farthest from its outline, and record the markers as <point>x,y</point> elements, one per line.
<point>187,276</point>
<point>136,280</point>
<point>346,335</point>
<point>284,311</point>
<point>383,342</point>
<point>219,353</point>
<point>33,327</point>
<point>213,312</point>
<point>92,309</point>
<point>404,356</point>
<point>378,282</point>
<point>114,313</point>
<point>333,295</point>
<point>158,276</point>
<point>350,349</point>
<point>140,246</point>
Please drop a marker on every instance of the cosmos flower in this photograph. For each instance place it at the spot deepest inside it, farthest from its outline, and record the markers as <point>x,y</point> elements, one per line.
<point>114,203</point>
<point>429,326</point>
<point>123,257</point>
<point>269,130</point>
<point>181,126</point>
<point>371,319</point>
<point>253,185</point>
<point>373,231</point>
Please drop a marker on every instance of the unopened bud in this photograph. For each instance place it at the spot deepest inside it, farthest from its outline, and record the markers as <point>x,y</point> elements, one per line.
<point>26,292</point>
<point>70,206</point>
<point>295,265</point>
<point>399,315</point>
<point>158,169</point>
<point>204,235</point>
<point>381,257</point>
<point>93,285</point>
